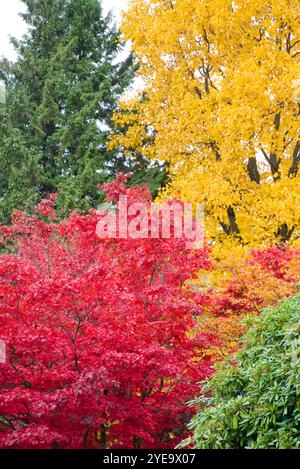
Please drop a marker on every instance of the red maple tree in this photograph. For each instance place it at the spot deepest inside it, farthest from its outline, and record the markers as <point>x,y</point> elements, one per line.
<point>99,353</point>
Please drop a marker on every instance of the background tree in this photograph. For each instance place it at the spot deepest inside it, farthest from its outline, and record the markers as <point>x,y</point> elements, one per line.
<point>60,96</point>
<point>19,168</point>
<point>222,86</point>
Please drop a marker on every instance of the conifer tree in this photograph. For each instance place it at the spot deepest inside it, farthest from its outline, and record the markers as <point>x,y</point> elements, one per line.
<point>18,169</point>
<point>60,96</point>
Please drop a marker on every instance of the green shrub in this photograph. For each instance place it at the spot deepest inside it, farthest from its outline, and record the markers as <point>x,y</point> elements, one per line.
<point>254,402</point>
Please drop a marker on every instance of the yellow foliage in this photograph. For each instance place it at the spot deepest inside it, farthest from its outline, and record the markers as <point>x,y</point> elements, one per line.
<point>221,104</point>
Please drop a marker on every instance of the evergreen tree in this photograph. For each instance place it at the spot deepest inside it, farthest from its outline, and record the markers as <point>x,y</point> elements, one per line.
<point>18,172</point>
<point>60,96</point>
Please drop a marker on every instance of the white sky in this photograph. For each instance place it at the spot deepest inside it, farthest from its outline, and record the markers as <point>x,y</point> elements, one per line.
<point>12,25</point>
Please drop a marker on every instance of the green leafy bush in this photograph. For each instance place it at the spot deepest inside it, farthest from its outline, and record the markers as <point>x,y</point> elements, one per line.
<point>254,402</point>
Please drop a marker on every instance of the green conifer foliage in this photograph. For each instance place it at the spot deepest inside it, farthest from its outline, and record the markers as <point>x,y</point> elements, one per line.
<point>60,96</point>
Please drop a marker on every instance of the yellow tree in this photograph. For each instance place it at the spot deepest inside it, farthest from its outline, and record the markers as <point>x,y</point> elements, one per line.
<point>221,104</point>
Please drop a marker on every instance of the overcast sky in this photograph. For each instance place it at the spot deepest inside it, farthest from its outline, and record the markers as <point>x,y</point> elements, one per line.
<point>12,24</point>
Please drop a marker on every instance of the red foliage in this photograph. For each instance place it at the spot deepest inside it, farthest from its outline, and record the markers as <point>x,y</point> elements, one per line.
<point>251,283</point>
<point>276,260</point>
<point>98,353</point>
<point>261,280</point>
